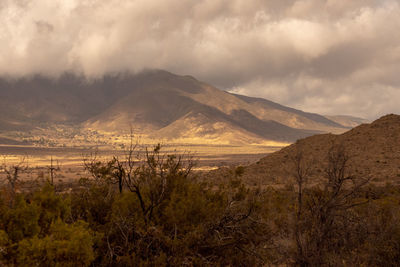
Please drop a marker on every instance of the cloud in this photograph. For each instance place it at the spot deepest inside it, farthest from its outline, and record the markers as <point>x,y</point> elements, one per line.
<point>333,56</point>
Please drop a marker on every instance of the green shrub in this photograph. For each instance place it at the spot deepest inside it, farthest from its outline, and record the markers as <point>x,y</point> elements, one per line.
<point>65,245</point>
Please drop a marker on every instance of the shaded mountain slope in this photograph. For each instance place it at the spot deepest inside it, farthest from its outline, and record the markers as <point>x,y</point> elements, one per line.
<point>290,116</point>
<point>347,121</point>
<point>159,105</point>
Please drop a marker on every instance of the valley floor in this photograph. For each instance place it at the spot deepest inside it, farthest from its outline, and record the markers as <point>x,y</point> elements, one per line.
<point>70,160</point>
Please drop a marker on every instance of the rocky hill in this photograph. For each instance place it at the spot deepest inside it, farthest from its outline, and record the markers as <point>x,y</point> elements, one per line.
<point>373,150</point>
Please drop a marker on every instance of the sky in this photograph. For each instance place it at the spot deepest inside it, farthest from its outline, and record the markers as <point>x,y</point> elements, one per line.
<point>323,56</point>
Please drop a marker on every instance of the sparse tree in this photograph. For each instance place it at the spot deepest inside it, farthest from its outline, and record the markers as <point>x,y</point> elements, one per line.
<point>302,168</point>
<point>12,175</point>
<point>53,168</point>
<point>324,212</point>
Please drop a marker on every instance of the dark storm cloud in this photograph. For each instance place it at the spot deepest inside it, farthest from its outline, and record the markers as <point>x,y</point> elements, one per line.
<point>332,56</point>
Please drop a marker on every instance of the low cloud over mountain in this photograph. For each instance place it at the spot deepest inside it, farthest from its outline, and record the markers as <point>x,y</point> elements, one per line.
<point>329,57</point>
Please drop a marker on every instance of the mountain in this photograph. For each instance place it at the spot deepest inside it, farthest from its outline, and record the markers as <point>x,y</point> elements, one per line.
<point>347,121</point>
<point>373,150</point>
<point>154,103</point>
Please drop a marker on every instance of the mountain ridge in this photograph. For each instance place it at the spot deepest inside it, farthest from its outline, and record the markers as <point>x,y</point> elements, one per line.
<point>155,103</point>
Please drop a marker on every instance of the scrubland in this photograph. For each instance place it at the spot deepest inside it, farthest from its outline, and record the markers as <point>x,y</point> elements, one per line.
<point>154,209</point>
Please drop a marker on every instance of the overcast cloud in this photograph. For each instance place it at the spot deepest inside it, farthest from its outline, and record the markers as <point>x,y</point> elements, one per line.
<point>324,56</point>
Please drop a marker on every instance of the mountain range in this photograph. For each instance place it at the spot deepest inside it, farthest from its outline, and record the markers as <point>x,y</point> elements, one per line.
<point>157,104</point>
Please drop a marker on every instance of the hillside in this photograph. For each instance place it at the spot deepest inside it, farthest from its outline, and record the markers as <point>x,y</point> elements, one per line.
<point>373,150</point>
<point>347,121</point>
<point>157,104</point>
